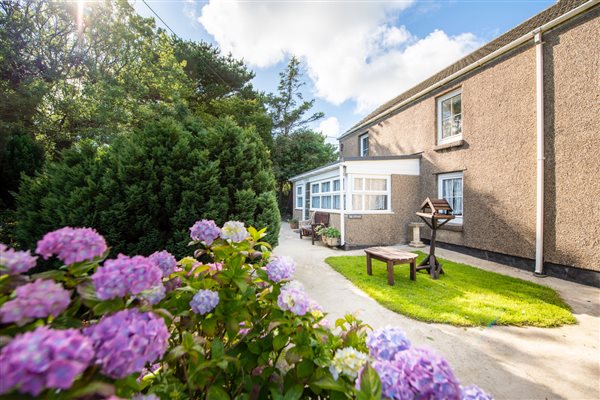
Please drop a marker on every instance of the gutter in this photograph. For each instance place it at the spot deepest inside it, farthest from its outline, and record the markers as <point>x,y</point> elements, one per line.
<point>504,49</point>
<point>539,113</point>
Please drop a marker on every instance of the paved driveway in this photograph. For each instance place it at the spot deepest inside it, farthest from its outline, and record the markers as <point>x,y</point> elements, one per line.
<point>508,362</point>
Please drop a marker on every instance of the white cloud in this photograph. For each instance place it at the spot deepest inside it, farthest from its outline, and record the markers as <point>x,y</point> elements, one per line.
<point>353,51</point>
<point>329,127</point>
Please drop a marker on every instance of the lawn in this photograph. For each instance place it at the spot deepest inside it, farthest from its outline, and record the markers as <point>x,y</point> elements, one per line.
<point>463,296</point>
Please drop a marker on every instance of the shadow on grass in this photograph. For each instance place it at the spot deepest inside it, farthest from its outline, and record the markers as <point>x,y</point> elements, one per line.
<point>463,296</point>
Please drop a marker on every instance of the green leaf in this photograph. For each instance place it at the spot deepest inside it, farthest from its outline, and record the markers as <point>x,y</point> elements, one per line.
<point>294,393</point>
<point>54,274</point>
<point>279,342</point>
<point>209,326</point>
<point>99,388</point>
<point>108,306</point>
<point>305,368</point>
<point>328,383</point>
<point>187,341</point>
<point>217,393</point>
<point>217,349</point>
<point>370,385</point>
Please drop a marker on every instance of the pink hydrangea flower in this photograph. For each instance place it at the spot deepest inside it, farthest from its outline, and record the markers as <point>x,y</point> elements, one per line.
<point>72,245</point>
<point>14,262</point>
<point>39,299</point>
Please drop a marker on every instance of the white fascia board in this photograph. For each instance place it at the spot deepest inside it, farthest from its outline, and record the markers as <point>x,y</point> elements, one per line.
<point>409,166</point>
<point>323,171</point>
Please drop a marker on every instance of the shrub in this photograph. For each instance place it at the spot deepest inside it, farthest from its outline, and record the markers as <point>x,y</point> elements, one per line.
<point>232,326</point>
<point>329,232</point>
<point>146,189</point>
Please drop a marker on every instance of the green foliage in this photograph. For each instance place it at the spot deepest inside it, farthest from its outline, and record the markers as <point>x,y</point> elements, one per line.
<point>145,190</point>
<point>329,231</point>
<point>463,296</point>
<point>247,347</point>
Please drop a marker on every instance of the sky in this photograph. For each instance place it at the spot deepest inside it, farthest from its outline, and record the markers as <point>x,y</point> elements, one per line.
<point>356,54</point>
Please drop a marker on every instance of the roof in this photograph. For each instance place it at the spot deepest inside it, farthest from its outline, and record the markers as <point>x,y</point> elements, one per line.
<point>549,14</point>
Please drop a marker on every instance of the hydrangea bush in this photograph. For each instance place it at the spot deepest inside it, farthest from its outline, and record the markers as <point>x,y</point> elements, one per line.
<point>228,323</point>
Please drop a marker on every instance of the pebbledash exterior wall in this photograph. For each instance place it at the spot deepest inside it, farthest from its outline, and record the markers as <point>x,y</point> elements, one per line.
<point>497,155</point>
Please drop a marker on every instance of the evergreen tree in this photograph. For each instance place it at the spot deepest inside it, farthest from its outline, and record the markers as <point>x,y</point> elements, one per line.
<point>145,190</point>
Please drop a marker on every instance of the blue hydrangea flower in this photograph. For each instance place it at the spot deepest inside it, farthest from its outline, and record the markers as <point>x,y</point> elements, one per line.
<point>72,245</point>
<point>39,299</point>
<point>128,340</point>
<point>205,231</point>
<point>234,231</point>
<point>384,343</point>
<point>293,298</point>
<point>204,301</point>
<point>44,358</point>
<point>14,262</point>
<point>165,261</point>
<point>417,373</point>
<point>473,392</point>
<point>125,275</point>
<point>281,268</point>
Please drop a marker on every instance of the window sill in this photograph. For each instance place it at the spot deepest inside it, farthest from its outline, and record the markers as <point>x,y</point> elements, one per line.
<point>450,145</point>
<point>452,227</point>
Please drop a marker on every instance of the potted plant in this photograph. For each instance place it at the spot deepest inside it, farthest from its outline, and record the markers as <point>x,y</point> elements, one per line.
<point>294,223</point>
<point>330,236</point>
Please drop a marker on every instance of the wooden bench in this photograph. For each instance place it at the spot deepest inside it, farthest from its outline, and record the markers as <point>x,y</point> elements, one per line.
<point>391,257</point>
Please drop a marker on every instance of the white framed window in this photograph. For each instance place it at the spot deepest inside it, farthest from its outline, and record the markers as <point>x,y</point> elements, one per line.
<point>325,195</point>
<point>364,145</point>
<point>449,117</point>
<point>299,196</point>
<point>450,187</point>
<point>370,193</point>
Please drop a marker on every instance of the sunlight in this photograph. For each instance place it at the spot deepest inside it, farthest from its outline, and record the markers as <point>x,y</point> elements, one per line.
<point>80,6</point>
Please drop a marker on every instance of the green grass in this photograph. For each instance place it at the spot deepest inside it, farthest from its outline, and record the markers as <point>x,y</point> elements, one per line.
<point>463,296</point>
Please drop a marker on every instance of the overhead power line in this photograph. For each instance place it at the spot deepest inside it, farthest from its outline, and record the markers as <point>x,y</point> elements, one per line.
<point>178,37</point>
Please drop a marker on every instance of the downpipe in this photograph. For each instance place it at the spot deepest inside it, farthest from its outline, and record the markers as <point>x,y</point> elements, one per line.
<point>539,209</point>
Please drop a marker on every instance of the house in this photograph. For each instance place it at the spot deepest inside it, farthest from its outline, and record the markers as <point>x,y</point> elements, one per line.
<point>508,135</point>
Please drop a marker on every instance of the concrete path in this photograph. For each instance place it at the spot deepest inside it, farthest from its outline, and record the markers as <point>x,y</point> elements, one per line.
<point>508,362</point>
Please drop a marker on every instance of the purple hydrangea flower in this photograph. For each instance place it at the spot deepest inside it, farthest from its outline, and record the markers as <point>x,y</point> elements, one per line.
<point>417,373</point>
<point>14,262</point>
<point>150,396</point>
<point>234,231</point>
<point>293,298</point>
<point>173,284</point>
<point>205,231</point>
<point>280,268</point>
<point>384,343</point>
<point>72,245</point>
<point>154,295</point>
<point>204,301</point>
<point>125,275</point>
<point>39,299</point>
<point>44,358</point>
<point>473,392</point>
<point>165,261</point>
<point>127,340</point>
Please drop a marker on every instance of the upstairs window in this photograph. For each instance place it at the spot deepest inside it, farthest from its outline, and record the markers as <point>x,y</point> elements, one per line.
<point>450,187</point>
<point>364,145</point>
<point>449,108</point>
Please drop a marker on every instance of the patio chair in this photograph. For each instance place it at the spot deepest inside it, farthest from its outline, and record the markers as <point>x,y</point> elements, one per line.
<point>310,226</point>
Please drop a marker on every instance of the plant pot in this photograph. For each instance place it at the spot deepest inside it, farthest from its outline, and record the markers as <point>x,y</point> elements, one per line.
<point>331,241</point>
<point>293,225</point>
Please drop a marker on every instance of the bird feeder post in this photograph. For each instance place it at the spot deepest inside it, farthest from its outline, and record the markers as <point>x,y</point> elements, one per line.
<point>435,213</point>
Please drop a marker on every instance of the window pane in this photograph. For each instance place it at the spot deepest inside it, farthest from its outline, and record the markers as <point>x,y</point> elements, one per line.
<point>298,190</point>
<point>375,184</point>
<point>376,202</point>
<point>336,185</point>
<point>336,202</point>
<point>326,202</point>
<point>357,202</point>
<point>446,128</point>
<point>316,202</point>
<point>325,187</point>
<point>446,110</point>
<point>358,183</point>
<point>456,125</point>
<point>315,188</point>
<point>456,106</point>
<point>299,200</point>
